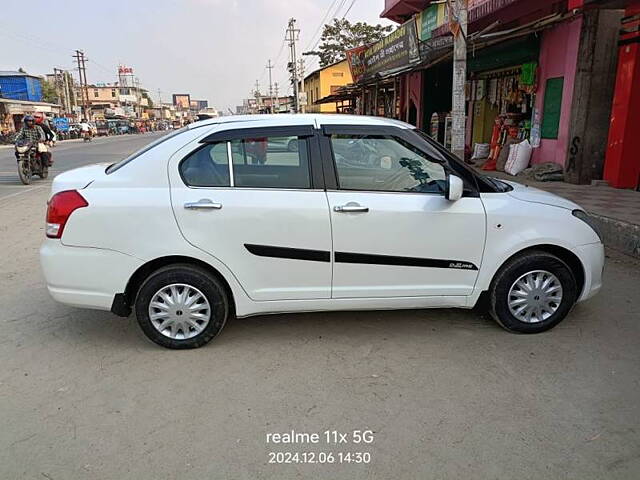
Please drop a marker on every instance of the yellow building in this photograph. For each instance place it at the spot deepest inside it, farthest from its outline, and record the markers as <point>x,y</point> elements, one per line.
<point>324,82</point>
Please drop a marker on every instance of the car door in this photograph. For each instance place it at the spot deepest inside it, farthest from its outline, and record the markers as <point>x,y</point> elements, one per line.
<point>394,233</point>
<point>263,214</point>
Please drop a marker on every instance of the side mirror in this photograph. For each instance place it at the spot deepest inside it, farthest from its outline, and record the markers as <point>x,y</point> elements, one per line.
<point>455,188</point>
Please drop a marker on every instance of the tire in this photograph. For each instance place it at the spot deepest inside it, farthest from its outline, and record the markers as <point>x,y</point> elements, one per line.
<point>194,281</point>
<point>45,173</point>
<point>534,268</point>
<point>24,171</point>
<point>292,146</point>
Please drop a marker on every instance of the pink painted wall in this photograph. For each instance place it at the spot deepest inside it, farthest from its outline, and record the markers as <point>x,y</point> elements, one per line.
<point>558,58</point>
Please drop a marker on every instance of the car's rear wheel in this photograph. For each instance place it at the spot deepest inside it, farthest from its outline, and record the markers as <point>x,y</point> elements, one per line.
<point>532,293</point>
<point>181,306</point>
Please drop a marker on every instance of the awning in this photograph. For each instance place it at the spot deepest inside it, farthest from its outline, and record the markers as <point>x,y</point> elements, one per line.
<point>399,10</point>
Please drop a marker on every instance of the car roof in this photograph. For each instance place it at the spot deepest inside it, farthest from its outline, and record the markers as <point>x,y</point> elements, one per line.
<point>284,120</point>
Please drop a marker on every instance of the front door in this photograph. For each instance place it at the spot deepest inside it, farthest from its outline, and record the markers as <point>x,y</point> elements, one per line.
<point>394,233</point>
<point>261,214</point>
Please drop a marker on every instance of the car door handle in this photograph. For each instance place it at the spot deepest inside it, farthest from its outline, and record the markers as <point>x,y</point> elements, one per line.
<point>350,208</point>
<point>204,204</point>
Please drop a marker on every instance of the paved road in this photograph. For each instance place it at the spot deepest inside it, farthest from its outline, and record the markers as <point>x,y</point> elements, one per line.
<point>69,155</point>
<point>448,394</point>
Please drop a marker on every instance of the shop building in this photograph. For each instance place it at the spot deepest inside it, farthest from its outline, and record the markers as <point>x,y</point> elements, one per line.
<point>13,111</point>
<point>323,83</point>
<point>542,71</point>
<point>622,159</point>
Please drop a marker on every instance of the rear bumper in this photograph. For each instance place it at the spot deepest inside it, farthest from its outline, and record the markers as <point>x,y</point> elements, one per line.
<point>592,258</point>
<point>85,277</point>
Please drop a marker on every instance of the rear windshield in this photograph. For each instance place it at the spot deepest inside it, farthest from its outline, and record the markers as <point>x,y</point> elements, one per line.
<point>146,148</point>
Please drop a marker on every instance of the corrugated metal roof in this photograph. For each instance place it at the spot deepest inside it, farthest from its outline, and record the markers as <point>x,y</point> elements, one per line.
<point>11,73</point>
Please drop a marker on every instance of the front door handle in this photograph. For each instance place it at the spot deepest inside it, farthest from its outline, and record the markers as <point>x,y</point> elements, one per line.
<point>350,208</point>
<point>203,204</point>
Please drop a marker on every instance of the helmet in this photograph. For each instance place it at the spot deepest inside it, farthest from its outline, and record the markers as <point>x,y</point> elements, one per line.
<point>84,120</point>
<point>28,118</point>
<point>39,117</point>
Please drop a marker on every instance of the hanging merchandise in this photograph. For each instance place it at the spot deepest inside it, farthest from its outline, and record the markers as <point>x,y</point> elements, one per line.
<point>493,91</point>
<point>480,89</point>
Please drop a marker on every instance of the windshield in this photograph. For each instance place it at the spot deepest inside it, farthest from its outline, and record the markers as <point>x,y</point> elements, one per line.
<point>133,156</point>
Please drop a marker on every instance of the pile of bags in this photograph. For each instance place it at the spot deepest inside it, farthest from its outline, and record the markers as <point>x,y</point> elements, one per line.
<point>513,156</point>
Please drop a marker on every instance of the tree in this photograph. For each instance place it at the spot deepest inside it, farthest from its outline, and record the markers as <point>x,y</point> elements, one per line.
<point>342,35</point>
<point>49,93</point>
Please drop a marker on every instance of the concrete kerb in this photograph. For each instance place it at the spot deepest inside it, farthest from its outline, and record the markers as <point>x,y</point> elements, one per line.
<point>619,235</point>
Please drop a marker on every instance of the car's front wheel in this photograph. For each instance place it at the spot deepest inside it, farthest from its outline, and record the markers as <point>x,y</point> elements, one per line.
<point>532,292</point>
<point>181,306</point>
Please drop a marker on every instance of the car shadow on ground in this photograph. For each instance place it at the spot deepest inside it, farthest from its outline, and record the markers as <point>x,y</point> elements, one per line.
<point>76,326</point>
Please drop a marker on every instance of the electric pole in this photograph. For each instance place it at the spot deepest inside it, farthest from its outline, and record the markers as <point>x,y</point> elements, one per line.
<point>277,98</point>
<point>84,89</point>
<point>458,128</point>
<point>258,96</point>
<point>303,107</point>
<point>292,37</point>
<point>160,98</point>
<point>270,67</point>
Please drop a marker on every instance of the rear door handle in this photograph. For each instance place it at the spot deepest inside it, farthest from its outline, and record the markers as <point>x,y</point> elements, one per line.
<point>350,208</point>
<point>203,204</point>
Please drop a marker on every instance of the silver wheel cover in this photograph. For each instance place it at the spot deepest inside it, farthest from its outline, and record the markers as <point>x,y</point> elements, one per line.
<point>535,296</point>
<point>179,311</point>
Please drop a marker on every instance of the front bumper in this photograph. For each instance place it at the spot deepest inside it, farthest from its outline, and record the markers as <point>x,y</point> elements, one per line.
<point>85,277</point>
<point>592,258</point>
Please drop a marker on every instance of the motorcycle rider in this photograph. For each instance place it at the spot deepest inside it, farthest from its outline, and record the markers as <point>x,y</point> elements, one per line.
<point>42,122</point>
<point>85,128</point>
<point>30,132</point>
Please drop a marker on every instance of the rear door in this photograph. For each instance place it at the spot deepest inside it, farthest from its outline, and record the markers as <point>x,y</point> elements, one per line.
<point>394,233</point>
<point>264,214</point>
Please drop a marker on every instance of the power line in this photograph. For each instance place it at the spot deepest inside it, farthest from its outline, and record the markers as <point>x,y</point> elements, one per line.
<point>321,24</point>
<point>349,9</point>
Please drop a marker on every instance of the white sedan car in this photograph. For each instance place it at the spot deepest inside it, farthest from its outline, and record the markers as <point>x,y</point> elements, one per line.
<point>240,216</point>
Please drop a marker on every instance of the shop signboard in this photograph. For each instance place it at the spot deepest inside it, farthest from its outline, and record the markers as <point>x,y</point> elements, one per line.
<point>61,124</point>
<point>397,49</point>
<point>428,22</point>
<point>355,57</point>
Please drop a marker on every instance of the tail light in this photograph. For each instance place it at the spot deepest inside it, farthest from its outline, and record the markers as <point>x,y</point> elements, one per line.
<point>60,208</point>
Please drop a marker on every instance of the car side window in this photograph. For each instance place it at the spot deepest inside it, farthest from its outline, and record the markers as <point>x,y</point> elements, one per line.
<point>271,162</point>
<point>207,167</point>
<point>385,163</point>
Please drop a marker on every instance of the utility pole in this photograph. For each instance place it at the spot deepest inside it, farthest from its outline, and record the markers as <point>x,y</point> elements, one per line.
<point>458,128</point>
<point>258,96</point>
<point>303,107</point>
<point>277,98</point>
<point>160,97</point>
<point>270,67</point>
<point>292,37</point>
<point>84,89</point>
<point>57,84</point>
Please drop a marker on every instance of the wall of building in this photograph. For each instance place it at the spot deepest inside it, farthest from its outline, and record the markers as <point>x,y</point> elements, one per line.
<point>558,58</point>
<point>324,84</point>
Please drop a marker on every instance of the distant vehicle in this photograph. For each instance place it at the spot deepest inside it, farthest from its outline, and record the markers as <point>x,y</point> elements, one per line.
<point>366,213</point>
<point>102,128</point>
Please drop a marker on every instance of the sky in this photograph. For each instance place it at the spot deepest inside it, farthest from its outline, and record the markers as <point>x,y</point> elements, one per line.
<point>212,49</point>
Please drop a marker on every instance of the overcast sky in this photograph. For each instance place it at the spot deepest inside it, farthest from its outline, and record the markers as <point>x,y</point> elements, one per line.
<point>212,49</point>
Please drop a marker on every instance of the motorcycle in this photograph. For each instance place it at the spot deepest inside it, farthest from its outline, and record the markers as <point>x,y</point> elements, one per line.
<point>30,162</point>
<point>87,136</point>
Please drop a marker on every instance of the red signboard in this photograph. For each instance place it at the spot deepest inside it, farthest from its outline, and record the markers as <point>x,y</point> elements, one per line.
<point>357,65</point>
<point>125,70</point>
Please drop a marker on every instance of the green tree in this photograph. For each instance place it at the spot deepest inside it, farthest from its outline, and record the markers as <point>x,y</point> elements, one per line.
<point>342,35</point>
<point>49,93</point>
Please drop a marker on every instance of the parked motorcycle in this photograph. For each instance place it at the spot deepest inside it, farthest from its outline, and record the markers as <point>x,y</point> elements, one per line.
<point>30,162</point>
